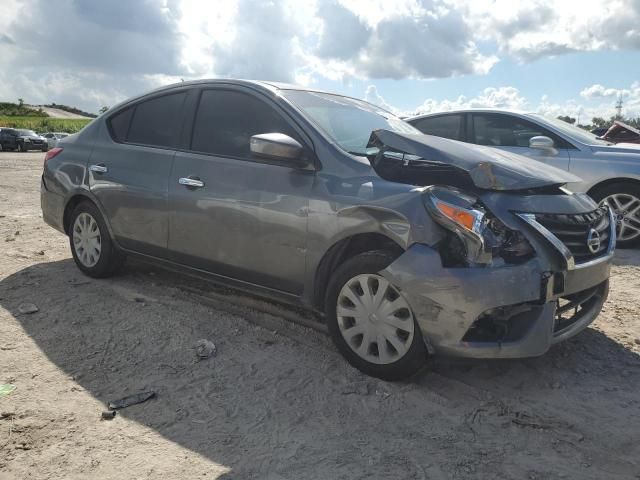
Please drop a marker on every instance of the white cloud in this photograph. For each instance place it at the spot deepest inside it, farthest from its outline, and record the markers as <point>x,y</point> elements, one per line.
<point>100,52</point>
<point>512,99</point>
<point>599,91</point>
<point>529,30</point>
<point>501,97</point>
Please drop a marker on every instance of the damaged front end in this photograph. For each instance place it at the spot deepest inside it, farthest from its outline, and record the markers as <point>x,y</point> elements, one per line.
<point>512,273</point>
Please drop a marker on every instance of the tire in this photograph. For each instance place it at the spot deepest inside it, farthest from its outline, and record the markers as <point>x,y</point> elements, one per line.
<point>624,198</point>
<point>45,149</point>
<point>21,148</point>
<point>392,364</point>
<point>95,258</point>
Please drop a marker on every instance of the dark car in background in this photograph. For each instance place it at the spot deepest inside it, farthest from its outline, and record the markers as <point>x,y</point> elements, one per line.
<point>22,140</point>
<point>407,244</point>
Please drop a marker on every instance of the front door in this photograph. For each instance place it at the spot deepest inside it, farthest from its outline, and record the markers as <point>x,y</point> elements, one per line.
<point>512,133</point>
<point>232,214</point>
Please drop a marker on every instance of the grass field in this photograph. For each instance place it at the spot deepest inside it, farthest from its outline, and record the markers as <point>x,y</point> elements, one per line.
<point>44,124</point>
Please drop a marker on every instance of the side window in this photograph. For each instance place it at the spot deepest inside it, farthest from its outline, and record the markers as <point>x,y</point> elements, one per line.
<point>120,124</point>
<point>226,120</point>
<point>447,126</point>
<point>157,121</point>
<point>499,130</point>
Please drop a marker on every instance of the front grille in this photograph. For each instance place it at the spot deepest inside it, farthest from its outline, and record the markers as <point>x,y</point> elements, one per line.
<point>573,230</point>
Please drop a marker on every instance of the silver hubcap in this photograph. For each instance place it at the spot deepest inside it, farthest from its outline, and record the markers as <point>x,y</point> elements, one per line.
<point>627,215</point>
<point>374,319</point>
<point>86,240</point>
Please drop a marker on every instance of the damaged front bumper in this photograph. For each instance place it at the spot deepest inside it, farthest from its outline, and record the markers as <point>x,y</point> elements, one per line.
<point>498,312</point>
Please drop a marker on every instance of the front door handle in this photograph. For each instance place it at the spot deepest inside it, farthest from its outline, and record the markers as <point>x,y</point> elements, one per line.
<point>191,182</point>
<point>100,168</point>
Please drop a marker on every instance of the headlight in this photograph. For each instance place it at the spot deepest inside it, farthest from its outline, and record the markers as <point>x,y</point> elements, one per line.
<point>478,238</point>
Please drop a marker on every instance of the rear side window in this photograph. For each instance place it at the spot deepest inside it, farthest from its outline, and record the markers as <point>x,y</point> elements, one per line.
<point>157,121</point>
<point>226,120</point>
<point>447,126</point>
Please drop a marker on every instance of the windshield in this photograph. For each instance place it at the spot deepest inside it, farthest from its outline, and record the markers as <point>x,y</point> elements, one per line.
<point>572,131</point>
<point>30,133</point>
<point>347,121</point>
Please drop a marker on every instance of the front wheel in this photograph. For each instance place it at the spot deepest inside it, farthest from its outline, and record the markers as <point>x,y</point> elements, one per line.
<point>21,148</point>
<point>624,199</point>
<point>91,245</point>
<point>370,321</point>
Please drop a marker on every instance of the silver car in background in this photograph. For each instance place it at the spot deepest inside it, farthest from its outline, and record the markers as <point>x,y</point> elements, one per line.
<point>609,172</point>
<point>54,137</point>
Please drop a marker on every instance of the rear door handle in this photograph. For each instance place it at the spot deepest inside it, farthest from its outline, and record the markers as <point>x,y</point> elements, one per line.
<point>191,182</point>
<point>100,168</point>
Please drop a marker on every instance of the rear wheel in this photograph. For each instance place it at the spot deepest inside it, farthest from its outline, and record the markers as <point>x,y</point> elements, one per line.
<point>624,199</point>
<point>91,245</point>
<point>370,321</point>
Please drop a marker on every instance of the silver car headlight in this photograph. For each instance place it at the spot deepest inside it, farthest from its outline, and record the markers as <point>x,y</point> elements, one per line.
<point>476,236</point>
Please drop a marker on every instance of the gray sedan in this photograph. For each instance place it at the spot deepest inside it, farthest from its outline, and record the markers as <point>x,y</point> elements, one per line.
<point>609,172</point>
<point>407,244</point>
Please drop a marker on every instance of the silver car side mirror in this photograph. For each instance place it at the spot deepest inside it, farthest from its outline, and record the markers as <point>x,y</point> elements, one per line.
<point>541,142</point>
<point>278,146</point>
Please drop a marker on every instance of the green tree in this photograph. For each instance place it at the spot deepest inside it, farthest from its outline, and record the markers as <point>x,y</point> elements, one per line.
<point>599,122</point>
<point>20,102</point>
<point>567,118</point>
<point>103,109</point>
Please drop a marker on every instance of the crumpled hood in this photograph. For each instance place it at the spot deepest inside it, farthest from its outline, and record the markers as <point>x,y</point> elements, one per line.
<point>487,168</point>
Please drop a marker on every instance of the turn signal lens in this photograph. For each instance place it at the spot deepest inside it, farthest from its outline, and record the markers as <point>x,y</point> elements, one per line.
<point>462,217</point>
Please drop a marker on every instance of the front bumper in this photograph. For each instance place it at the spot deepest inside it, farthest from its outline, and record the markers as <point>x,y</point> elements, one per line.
<point>450,304</point>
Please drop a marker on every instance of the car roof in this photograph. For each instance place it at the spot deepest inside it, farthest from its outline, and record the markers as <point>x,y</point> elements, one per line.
<point>266,86</point>
<point>518,113</point>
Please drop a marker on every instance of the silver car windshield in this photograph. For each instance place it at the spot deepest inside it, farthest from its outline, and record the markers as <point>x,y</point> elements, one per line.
<point>577,133</point>
<point>347,121</point>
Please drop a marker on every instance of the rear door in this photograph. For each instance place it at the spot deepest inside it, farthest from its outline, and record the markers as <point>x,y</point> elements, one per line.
<point>248,219</point>
<point>130,166</point>
<point>512,133</point>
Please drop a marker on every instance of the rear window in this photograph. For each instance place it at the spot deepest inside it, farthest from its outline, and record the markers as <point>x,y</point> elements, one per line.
<point>446,126</point>
<point>155,122</point>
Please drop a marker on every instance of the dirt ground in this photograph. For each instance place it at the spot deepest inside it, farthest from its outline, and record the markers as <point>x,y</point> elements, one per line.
<point>278,402</point>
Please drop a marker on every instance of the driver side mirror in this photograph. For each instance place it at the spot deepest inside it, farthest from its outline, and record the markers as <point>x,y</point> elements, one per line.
<point>279,147</point>
<point>541,142</point>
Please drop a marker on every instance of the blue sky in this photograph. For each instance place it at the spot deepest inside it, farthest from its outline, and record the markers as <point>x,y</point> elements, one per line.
<point>552,56</point>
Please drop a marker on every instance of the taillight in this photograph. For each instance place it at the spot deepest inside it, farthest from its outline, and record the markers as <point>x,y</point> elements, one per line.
<point>54,152</point>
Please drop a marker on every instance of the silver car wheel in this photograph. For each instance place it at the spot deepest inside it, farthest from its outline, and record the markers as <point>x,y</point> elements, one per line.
<point>626,208</point>
<point>86,239</point>
<point>374,319</point>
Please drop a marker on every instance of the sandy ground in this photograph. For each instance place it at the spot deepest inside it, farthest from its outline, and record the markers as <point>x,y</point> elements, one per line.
<point>278,402</point>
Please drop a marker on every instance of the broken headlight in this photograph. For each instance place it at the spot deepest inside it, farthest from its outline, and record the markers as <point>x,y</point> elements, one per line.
<point>476,237</point>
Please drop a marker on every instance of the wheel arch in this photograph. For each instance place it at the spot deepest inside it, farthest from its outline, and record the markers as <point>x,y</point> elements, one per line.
<point>344,249</point>
<point>72,202</point>
<point>612,181</point>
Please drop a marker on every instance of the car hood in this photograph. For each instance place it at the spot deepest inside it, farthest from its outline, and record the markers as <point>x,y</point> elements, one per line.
<point>425,160</point>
